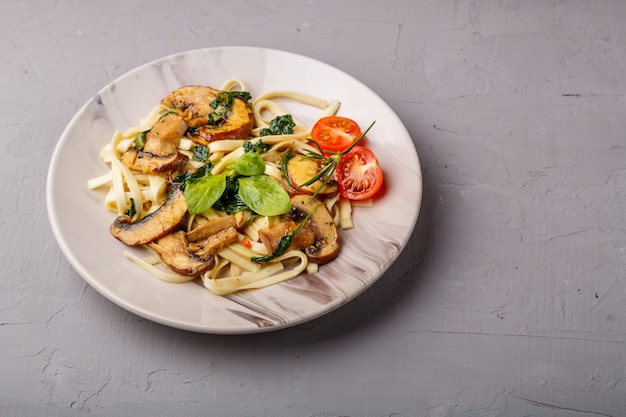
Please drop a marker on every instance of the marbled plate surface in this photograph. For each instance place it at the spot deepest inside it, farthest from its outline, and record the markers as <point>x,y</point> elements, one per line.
<point>81,224</point>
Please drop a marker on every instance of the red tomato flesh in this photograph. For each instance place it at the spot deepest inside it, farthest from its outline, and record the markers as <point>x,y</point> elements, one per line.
<point>335,133</point>
<point>359,175</point>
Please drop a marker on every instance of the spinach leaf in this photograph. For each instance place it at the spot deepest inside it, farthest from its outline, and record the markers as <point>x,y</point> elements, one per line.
<point>281,247</point>
<point>258,147</point>
<point>230,202</point>
<point>264,195</point>
<point>183,179</point>
<point>222,103</point>
<point>200,153</point>
<point>132,210</point>
<point>283,166</point>
<point>280,125</point>
<point>227,97</point>
<point>249,164</point>
<point>140,140</point>
<point>203,192</point>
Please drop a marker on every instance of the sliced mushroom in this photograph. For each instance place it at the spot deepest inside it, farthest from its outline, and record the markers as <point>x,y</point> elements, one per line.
<point>238,125</point>
<point>149,163</point>
<point>193,104</point>
<point>318,238</point>
<point>272,235</point>
<point>327,243</point>
<point>212,244</point>
<point>211,227</point>
<point>164,137</point>
<point>154,226</point>
<point>174,252</point>
<point>300,170</point>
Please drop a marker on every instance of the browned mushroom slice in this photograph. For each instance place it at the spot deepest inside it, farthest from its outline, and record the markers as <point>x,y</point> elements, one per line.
<point>215,242</point>
<point>193,104</point>
<point>211,227</point>
<point>238,125</point>
<point>327,242</point>
<point>272,235</point>
<point>153,164</point>
<point>173,251</point>
<point>154,226</point>
<point>164,137</point>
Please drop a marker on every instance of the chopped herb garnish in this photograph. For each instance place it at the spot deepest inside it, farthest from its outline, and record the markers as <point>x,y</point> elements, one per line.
<point>329,160</point>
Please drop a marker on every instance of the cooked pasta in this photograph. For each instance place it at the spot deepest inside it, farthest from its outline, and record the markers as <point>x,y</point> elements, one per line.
<point>228,262</point>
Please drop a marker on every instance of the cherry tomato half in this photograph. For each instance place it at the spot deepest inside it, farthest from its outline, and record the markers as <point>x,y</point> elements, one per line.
<point>359,174</point>
<point>335,133</point>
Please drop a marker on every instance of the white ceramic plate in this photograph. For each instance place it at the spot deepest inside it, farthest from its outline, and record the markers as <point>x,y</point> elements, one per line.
<point>81,224</point>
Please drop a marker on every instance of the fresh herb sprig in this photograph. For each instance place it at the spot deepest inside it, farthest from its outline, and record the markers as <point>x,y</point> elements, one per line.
<point>132,210</point>
<point>285,241</point>
<point>188,176</point>
<point>328,160</point>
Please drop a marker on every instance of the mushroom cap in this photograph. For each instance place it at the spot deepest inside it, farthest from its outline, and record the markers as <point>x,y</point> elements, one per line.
<point>153,226</point>
<point>327,241</point>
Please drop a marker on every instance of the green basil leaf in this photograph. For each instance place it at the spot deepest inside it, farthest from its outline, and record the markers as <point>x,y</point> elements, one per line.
<point>264,195</point>
<point>202,193</point>
<point>249,164</point>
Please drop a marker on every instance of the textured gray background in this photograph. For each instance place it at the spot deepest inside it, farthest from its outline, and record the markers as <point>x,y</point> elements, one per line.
<point>510,299</point>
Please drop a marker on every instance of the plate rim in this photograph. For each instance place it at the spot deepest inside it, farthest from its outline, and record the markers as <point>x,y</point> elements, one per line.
<point>185,325</point>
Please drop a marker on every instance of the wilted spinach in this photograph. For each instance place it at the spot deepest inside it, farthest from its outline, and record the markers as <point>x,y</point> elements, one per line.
<point>222,104</point>
<point>280,125</point>
<point>200,153</point>
<point>188,176</point>
<point>258,147</point>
